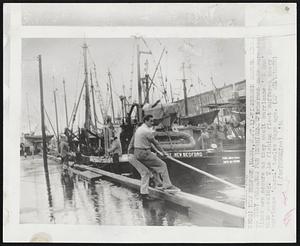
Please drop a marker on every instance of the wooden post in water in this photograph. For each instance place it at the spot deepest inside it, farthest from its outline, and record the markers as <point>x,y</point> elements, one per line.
<point>57,128</point>
<point>44,140</point>
<point>42,116</point>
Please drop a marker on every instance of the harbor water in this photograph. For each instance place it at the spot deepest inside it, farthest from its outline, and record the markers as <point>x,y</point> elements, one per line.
<point>66,199</point>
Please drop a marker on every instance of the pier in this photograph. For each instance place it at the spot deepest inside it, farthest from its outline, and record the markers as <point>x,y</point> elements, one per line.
<point>220,213</point>
<point>72,192</point>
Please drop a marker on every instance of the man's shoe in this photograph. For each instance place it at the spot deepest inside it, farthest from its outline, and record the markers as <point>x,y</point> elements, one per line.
<point>159,187</point>
<point>172,189</point>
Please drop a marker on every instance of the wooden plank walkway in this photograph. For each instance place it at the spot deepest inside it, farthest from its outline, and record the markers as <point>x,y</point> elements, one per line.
<point>86,175</point>
<point>220,214</point>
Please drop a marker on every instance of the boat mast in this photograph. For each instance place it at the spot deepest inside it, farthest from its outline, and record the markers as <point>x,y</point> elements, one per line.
<point>87,123</point>
<point>153,76</point>
<point>139,84</point>
<point>101,104</point>
<point>139,79</point>
<point>111,97</point>
<point>147,88</point>
<point>171,91</point>
<point>42,118</point>
<point>44,138</point>
<point>57,129</point>
<point>28,113</point>
<point>67,121</point>
<point>184,90</point>
<point>76,107</point>
<point>123,106</point>
<point>93,98</point>
<point>200,99</point>
<point>215,98</point>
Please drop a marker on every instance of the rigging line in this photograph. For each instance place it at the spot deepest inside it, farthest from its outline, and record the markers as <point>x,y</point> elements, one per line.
<point>158,64</point>
<point>216,89</point>
<point>50,123</point>
<point>118,94</point>
<point>164,86</point>
<point>144,41</point>
<point>154,85</point>
<point>77,104</point>
<point>77,80</point>
<point>34,107</point>
<point>98,93</point>
<point>90,55</point>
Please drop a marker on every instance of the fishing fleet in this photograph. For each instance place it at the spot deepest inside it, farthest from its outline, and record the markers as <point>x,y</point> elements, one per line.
<point>196,143</point>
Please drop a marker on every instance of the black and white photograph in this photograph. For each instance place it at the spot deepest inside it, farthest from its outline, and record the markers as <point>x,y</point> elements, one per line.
<point>186,97</point>
<point>149,122</point>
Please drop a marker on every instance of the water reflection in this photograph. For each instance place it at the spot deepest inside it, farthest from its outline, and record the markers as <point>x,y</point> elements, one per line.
<point>52,218</point>
<point>72,200</point>
<point>156,213</point>
<point>67,185</point>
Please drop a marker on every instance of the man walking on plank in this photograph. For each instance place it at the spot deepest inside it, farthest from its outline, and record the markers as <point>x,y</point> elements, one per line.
<point>143,139</point>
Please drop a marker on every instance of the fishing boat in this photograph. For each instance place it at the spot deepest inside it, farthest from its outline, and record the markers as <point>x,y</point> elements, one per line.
<point>207,117</point>
<point>89,144</point>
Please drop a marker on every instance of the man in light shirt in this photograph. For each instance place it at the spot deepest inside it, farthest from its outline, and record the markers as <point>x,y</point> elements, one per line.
<point>64,150</point>
<point>143,140</point>
<point>116,151</point>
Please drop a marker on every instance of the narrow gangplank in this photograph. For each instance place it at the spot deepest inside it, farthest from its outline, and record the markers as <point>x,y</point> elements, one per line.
<point>220,214</point>
<point>86,175</point>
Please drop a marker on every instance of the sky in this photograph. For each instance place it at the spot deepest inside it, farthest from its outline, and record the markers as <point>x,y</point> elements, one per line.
<point>205,58</point>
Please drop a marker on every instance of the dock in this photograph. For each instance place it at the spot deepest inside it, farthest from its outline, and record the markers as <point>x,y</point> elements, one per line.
<point>220,214</point>
<point>85,175</point>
